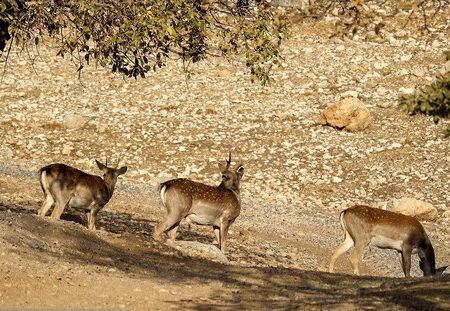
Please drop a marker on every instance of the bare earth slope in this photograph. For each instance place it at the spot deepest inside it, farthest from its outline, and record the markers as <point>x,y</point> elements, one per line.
<point>298,176</point>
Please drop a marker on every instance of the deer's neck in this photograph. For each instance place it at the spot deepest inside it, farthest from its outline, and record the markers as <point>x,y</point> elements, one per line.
<point>110,185</point>
<point>427,258</point>
<point>234,189</point>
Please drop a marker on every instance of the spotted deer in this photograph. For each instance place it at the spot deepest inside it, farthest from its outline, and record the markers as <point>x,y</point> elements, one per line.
<point>64,186</point>
<point>365,226</point>
<point>202,204</point>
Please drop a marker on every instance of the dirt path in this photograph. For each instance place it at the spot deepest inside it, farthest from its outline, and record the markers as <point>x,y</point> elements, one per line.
<point>56,264</point>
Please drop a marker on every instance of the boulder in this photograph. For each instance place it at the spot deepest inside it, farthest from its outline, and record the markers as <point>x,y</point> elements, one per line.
<point>197,249</point>
<point>416,208</point>
<point>349,113</point>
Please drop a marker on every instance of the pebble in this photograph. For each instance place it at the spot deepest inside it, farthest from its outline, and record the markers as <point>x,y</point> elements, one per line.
<point>336,179</point>
<point>67,150</point>
<point>406,91</point>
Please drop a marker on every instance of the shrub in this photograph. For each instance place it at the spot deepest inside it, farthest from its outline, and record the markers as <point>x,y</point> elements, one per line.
<point>433,99</point>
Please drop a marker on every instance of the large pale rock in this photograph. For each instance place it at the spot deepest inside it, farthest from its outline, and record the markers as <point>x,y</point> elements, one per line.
<point>74,121</point>
<point>197,249</point>
<point>416,208</point>
<point>349,113</point>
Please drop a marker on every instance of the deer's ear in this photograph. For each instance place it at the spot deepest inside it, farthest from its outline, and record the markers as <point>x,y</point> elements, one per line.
<point>240,171</point>
<point>122,170</point>
<point>101,166</point>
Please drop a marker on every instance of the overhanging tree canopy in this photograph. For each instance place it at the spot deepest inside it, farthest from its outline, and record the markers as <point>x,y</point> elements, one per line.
<point>135,37</point>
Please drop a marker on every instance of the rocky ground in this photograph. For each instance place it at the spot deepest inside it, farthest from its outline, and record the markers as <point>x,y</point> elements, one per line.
<point>298,176</point>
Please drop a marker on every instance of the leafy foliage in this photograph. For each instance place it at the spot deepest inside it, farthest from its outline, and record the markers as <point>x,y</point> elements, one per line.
<point>433,99</point>
<point>135,37</point>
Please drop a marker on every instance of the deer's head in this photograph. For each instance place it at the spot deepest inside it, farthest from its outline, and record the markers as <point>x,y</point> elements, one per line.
<point>110,174</point>
<point>231,176</point>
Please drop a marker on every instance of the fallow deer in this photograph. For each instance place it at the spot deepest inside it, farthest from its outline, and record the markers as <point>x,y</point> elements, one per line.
<point>67,186</point>
<point>202,204</point>
<point>365,225</point>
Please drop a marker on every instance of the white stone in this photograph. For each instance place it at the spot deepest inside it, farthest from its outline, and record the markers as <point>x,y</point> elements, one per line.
<point>101,128</point>
<point>30,144</point>
<point>74,121</point>
<point>336,179</point>
<point>419,72</point>
<point>406,91</point>
<point>395,146</point>
<point>350,94</point>
<point>445,68</point>
<point>393,41</point>
<point>401,33</point>
<point>406,58</point>
<point>403,72</point>
<point>384,104</point>
<point>379,65</point>
<point>382,91</point>
<point>67,150</point>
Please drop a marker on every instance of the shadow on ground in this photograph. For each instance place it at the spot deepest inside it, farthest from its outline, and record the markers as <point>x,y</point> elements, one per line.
<point>125,243</point>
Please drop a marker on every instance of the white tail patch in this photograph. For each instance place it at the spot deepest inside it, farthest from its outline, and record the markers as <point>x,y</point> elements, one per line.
<point>341,220</point>
<point>162,193</point>
<point>44,183</point>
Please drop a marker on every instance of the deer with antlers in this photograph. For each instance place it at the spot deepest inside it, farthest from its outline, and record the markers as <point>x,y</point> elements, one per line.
<point>202,204</point>
<point>365,226</point>
<point>64,186</point>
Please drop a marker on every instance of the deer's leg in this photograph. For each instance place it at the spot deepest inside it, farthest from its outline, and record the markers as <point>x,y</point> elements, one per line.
<point>172,220</point>
<point>173,233</point>
<point>406,260</point>
<point>60,205</point>
<point>217,235</point>
<point>341,249</point>
<point>92,216</point>
<point>61,201</point>
<point>58,210</point>
<point>46,205</point>
<point>356,254</point>
<point>223,235</point>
